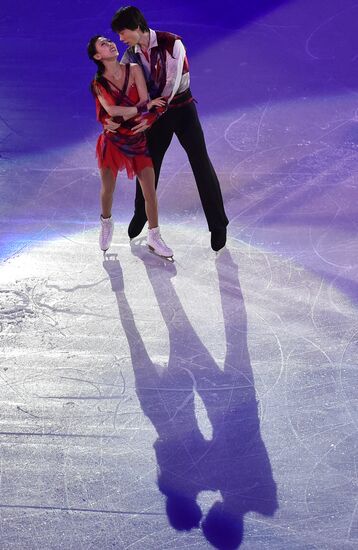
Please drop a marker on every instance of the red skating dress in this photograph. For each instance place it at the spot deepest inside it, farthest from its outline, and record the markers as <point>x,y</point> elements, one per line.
<point>121,149</point>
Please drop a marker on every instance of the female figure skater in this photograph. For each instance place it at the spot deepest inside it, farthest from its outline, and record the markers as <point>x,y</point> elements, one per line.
<point>121,92</point>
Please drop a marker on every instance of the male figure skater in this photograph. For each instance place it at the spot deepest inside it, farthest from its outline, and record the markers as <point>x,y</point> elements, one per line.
<point>163,60</point>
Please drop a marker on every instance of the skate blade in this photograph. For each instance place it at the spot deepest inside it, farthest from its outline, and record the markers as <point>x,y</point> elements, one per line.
<point>168,258</point>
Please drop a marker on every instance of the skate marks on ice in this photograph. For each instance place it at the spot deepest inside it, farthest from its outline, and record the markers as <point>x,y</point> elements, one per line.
<point>216,393</point>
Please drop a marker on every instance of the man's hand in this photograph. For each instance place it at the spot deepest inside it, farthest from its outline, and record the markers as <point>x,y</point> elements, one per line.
<point>110,125</point>
<point>141,127</point>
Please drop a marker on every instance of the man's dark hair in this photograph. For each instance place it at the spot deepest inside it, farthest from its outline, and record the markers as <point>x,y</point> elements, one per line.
<point>129,17</point>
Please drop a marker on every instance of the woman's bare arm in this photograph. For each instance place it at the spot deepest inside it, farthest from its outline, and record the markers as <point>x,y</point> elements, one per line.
<point>115,110</point>
<point>140,83</point>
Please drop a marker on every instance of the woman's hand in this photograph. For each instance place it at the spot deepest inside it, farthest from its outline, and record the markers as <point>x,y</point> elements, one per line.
<point>110,125</point>
<point>158,102</point>
<point>142,126</point>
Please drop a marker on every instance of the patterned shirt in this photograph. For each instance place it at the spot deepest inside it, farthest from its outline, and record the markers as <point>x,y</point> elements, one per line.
<point>177,74</point>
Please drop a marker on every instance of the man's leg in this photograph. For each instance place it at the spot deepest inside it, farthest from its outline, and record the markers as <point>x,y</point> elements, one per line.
<point>190,134</point>
<point>159,137</point>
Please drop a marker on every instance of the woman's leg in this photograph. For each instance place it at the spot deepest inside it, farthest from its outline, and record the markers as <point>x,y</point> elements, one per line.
<point>107,190</point>
<point>159,137</point>
<point>147,182</point>
<point>155,242</point>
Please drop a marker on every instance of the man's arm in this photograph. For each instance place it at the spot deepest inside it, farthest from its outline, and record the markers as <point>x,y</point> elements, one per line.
<point>174,70</point>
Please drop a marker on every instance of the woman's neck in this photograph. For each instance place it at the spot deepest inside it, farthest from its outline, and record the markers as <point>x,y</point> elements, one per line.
<point>112,68</point>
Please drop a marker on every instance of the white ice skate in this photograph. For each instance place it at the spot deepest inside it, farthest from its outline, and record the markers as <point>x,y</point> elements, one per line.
<point>157,245</point>
<point>106,233</point>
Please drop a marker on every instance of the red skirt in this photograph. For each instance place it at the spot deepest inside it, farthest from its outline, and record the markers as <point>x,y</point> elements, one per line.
<point>123,151</point>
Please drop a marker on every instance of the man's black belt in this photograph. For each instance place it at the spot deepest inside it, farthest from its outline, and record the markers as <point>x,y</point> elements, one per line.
<point>181,99</point>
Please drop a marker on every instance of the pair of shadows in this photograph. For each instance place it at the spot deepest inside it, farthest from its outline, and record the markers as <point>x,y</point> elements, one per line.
<point>234,461</point>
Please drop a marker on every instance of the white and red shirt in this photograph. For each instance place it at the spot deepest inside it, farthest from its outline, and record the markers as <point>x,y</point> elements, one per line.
<point>164,64</point>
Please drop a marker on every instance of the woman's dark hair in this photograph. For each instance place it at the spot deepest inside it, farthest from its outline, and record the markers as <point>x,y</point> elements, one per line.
<point>91,50</point>
<point>129,17</point>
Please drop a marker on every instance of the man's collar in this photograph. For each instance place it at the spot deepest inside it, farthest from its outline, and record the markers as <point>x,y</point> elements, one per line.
<point>152,42</point>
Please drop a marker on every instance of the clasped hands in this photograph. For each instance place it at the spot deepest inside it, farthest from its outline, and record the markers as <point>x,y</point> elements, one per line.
<point>144,121</point>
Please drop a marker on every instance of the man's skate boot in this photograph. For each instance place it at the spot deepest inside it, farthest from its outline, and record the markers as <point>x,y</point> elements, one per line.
<point>106,233</point>
<point>157,245</point>
<point>136,225</point>
<point>218,238</point>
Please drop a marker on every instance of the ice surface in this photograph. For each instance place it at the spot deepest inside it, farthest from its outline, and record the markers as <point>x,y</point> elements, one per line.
<point>211,402</point>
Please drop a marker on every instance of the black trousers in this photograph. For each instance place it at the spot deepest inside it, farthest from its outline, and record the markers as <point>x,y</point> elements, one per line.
<point>184,122</point>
